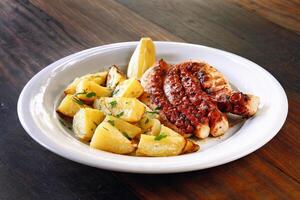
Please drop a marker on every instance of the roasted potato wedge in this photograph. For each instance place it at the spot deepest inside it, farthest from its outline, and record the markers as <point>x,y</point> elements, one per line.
<point>150,126</point>
<point>114,77</point>
<point>98,78</point>
<point>142,58</point>
<point>129,88</point>
<point>85,122</point>
<point>128,109</point>
<point>88,91</point>
<point>129,130</point>
<point>190,147</point>
<point>109,138</point>
<point>70,105</point>
<point>160,145</point>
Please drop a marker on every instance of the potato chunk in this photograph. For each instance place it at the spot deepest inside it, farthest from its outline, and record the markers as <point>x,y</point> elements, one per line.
<point>150,145</point>
<point>114,77</point>
<point>88,91</point>
<point>98,78</point>
<point>128,109</point>
<point>150,126</point>
<point>129,88</point>
<point>109,138</point>
<point>69,106</point>
<point>129,130</point>
<point>85,122</point>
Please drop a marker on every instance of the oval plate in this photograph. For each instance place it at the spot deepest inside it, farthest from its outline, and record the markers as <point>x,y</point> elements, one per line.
<point>40,97</point>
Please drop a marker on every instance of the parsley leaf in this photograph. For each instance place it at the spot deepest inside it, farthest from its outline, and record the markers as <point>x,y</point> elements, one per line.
<point>120,114</point>
<point>116,91</point>
<point>147,120</point>
<point>78,101</point>
<point>152,112</point>
<point>113,104</point>
<point>126,135</point>
<point>90,94</point>
<point>160,136</point>
<point>157,108</point>
<point>112,122</point>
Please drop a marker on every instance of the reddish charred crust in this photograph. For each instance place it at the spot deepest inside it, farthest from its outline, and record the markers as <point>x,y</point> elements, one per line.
<point>176,95</point>
<point>206,106</point>
<point>159,98</point>
<point>226,100</point>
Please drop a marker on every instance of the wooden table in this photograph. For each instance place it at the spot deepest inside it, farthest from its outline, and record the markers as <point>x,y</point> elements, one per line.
<point>35,33</point>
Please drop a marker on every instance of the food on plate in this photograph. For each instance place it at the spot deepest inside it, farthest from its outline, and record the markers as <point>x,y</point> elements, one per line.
<point>70,105</point>
<point>129,88</point>
<point>114,77</point>
<point>154,110</point>
<point>98,78</point>
<point>88,91</point>
<point>166,143</point>
<point>85,122</point>
<point>129,130</point>
<point>128,109</point>
<point>108,138</point>
<point>218,88</point>
<point>142,58</point>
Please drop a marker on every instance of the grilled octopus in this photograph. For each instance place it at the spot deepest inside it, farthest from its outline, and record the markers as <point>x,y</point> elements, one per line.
<point>219,89</point>
<point>184,106</point>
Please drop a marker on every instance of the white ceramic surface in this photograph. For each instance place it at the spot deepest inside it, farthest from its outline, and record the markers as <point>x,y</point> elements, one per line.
<point>40,97</point>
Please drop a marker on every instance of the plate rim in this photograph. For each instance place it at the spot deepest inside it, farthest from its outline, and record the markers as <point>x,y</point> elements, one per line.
<point>181,168</point>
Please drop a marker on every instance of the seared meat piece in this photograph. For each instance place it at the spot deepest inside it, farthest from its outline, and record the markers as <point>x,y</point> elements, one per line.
<point>203,103</point>
<point>152,81</point>
<point>175,93</point>
<point>216,85</point>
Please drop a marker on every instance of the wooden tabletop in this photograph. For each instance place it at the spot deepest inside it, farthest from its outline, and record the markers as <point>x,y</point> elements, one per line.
<point>35,33</point>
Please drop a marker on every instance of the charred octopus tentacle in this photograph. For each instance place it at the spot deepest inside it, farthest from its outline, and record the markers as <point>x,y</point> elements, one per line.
<point>175,93</point>
<point>153,81</point>
<point>217,120</point>
<point>216,85</point>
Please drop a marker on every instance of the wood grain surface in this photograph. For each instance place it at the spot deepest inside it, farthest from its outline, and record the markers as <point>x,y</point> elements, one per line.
<point>36,33</point>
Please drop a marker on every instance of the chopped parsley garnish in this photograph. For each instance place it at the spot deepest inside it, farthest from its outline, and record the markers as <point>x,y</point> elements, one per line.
<point>160,136</point>
<point>157,108</point>
<point>126,135</point>
<point>116,91</point>
<point>112,122</point>
<point>152,112</point>
<point>105,128</point>
<point>147,120</point>
<point>113,104</point>
<point>120,114</point>
<point>90,94</point>
<point>78,101</point>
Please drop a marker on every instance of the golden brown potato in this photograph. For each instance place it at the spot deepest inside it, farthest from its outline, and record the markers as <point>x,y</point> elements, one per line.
<point>129,88</point>
<point>160,145</point>
<point>128,109</point>
<point>85,122</point>
<point>88,91</point>
<point>114,77</point>
<point>109,138</point>
<point>70,105</point>
<point>98,78</point>
<point>190,147</point>
<point>129,130</point>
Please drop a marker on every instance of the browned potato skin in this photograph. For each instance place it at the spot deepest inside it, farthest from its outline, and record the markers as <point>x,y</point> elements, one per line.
<point>190,147</point>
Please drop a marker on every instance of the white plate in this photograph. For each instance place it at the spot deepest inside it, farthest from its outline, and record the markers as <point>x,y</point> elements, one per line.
<point>39,98</point>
